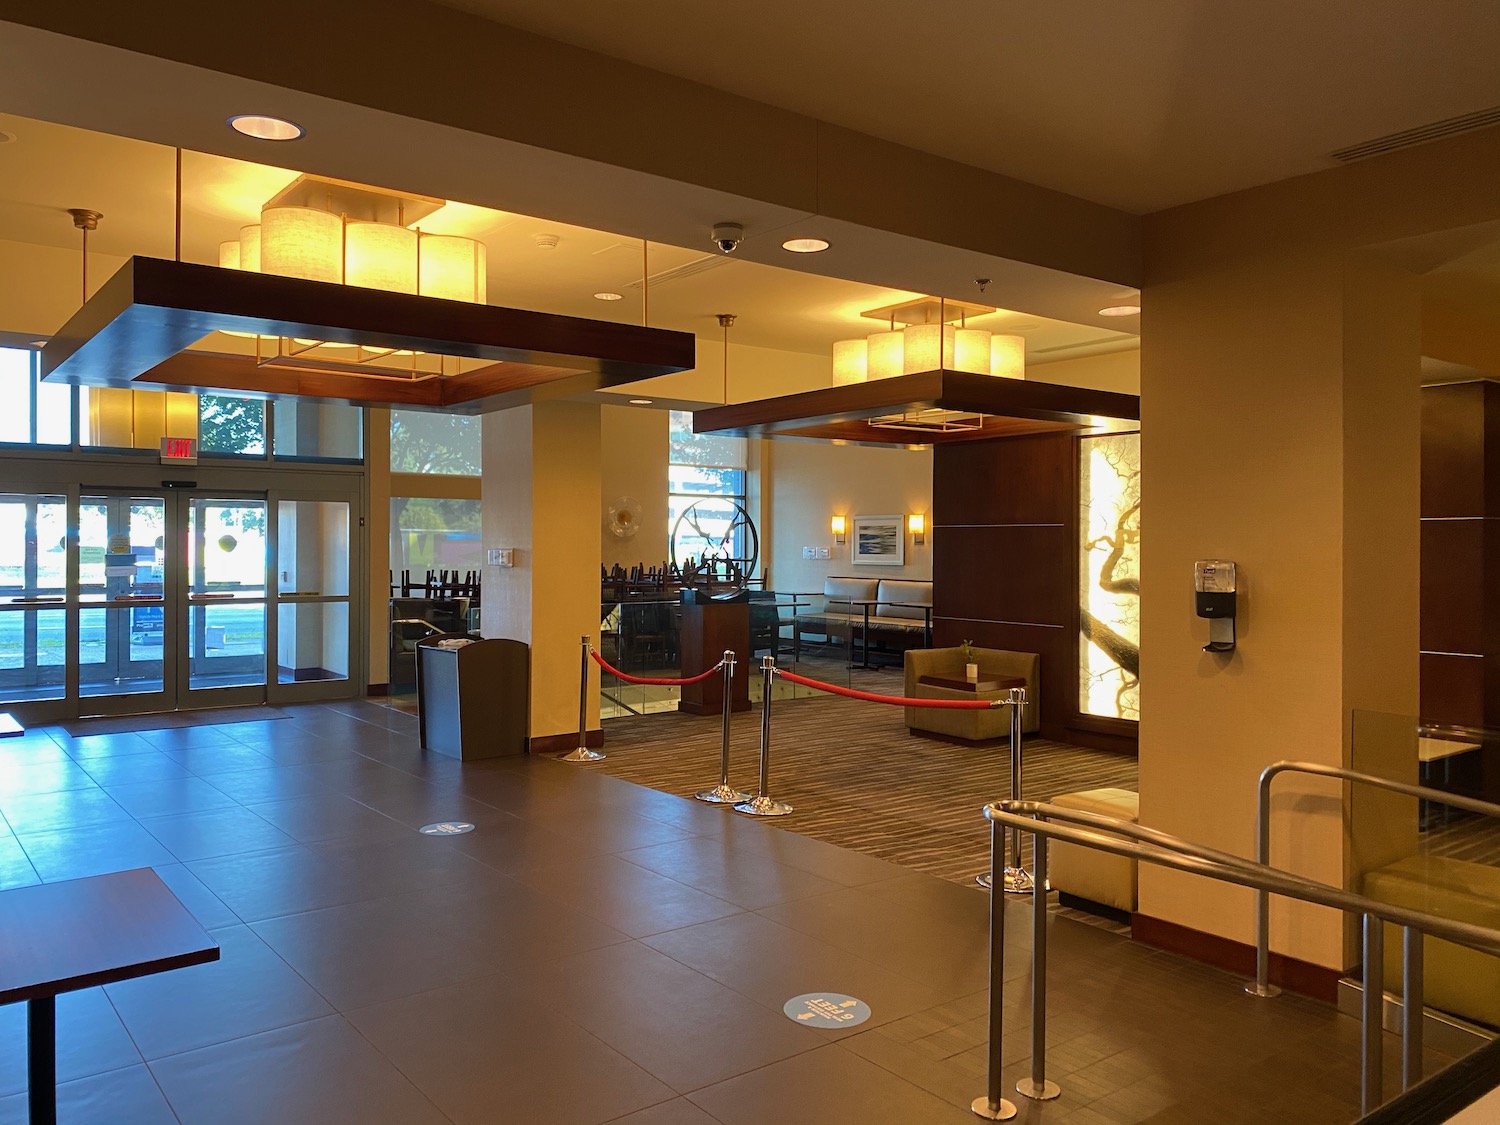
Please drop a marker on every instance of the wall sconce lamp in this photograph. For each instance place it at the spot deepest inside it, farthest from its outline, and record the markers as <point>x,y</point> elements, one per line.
<point>916,523</point>
<point>837,526</point>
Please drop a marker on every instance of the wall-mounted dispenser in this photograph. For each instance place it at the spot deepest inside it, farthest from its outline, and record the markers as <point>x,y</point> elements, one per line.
<point>1213,598</point>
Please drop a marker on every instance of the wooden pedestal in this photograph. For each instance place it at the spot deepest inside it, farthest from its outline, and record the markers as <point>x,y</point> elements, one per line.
<point>708,628</point>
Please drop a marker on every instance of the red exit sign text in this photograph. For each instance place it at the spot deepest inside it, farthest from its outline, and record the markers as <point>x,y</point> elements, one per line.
<point>179,451</point>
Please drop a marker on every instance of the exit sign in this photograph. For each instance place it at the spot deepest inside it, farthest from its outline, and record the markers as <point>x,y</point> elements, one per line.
<point>179,451</point>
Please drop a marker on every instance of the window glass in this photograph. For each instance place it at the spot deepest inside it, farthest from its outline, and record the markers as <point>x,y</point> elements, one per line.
<point>432,534</point>
<point>688,448</point>
<point>230,425</point>
<point>325,430</point>
<point>15,391</point>
<point>446,444</point>
<point>54,414</point>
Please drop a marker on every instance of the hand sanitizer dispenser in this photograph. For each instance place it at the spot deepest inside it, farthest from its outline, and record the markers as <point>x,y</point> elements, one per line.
<point>1213,598</point>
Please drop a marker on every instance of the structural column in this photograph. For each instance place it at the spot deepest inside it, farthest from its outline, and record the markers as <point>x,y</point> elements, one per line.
<point>540,499</point>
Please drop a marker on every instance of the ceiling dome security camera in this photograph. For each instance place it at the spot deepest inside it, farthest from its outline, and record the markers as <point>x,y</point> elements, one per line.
<point>728,236</point>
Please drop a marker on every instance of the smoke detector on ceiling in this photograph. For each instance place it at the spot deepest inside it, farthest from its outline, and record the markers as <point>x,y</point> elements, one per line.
<point>546,241</point>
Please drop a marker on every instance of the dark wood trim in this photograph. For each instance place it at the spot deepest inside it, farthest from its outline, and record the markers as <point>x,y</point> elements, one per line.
<point>1317,981</point>
<point>561,743</point>
<point>1011,408</point>
<point>139,326</point>
<point>378,691</point>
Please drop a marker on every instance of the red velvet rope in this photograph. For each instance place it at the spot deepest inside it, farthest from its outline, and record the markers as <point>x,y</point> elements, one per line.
<point>893,700</point>
<point>613,671</point>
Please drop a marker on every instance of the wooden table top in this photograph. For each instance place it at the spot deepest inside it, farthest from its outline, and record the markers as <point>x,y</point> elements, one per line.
<point>59,937</point>
<point>1436,749</point>
<point>988,681</point>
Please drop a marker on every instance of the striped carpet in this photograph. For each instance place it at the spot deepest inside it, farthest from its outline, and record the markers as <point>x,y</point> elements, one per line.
<point>856,778</point>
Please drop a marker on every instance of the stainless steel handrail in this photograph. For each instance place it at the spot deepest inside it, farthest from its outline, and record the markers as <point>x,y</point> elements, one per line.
<point>1132,841</point>
<point>1262,985</point>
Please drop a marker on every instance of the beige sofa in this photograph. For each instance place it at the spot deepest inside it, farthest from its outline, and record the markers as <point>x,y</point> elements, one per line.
<point>1455,979</point>
<point>903,615</point>
<point>974,726</point>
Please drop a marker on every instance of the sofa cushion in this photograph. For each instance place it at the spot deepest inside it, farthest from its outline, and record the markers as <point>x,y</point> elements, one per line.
<point>909,592</point>
<point>841,593</point>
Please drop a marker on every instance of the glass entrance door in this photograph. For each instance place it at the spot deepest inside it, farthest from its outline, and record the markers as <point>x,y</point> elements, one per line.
<point>172,602</point>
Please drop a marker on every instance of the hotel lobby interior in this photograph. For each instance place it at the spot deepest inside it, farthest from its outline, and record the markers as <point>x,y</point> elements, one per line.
<point>543,551</point>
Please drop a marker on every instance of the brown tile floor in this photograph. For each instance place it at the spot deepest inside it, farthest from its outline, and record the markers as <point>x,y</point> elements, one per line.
<point>593,952</point>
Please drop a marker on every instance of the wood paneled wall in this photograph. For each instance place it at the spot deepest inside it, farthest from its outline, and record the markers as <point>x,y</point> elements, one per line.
<point>1005,565</point>
<point>1461,557</point>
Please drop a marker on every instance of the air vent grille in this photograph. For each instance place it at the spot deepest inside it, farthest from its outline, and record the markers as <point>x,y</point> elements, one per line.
<point>687,269</point>
<point>1409,138</point>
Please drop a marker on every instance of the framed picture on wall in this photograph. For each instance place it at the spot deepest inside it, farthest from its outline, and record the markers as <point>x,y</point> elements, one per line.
<point>878,541</point>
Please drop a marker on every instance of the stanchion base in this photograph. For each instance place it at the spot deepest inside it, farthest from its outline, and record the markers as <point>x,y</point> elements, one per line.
<point>984,880</point>
<point>763,806</point>
<point>582,754</point>
<point>1043,1093</point>
<point>1017,881</point>
<point>1253,989</point>
<point>993,1111</point>
<point>722,795</point>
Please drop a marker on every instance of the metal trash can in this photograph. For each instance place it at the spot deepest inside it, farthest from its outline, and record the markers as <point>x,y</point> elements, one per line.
<point>474,696</point>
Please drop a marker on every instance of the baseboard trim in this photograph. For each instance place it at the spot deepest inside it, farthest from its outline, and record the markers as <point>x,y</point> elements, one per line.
<point>378,691</point>
<point>1317,981</point>
<point>562,743</point>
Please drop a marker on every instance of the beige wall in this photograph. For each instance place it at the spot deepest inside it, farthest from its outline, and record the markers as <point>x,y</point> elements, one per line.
<point>633,454</point>
<point>805,483</point>
<point>1113,371</point>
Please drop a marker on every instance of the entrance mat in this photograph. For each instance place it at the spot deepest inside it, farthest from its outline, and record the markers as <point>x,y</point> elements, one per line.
<point>167,720</point>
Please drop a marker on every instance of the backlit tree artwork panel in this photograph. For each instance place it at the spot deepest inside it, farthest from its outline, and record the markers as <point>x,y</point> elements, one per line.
<point>1109,652</point>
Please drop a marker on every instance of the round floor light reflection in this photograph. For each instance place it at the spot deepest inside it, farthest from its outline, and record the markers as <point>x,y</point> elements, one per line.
<point>446,828</point>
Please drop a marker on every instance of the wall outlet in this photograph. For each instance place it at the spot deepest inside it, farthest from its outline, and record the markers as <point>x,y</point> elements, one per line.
<point>822,553</point>
<point>809,552</point>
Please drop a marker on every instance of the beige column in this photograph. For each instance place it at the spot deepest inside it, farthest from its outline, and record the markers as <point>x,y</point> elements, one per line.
<point>1281,429</point>
<point>540,498</point>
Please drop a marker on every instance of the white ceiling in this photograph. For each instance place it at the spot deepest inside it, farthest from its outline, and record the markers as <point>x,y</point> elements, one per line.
<point>1141,106</point>
<point>49,168</point>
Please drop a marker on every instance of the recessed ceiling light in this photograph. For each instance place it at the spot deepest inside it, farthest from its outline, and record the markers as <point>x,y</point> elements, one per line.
<point>642,401</point>
<point>1120,310</point>
<point>805,245</point>
<point>264,128</point>
<point>608,296</point>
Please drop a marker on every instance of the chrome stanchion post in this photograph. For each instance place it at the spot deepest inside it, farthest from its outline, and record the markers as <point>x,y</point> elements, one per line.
<point>1017,881</point>
<point>1261,985</point>
<point>1372,1003</point>
<point>761,804</point>
<point>722,793</point>
<point>1411,1007</point>
<point>1037,1087</point>
<point>583,753</point>
<point>993,1106</point>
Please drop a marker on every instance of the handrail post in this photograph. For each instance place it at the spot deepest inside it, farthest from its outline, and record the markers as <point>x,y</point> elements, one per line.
<point>1017,881</point>
<point>723,793</point>
<point>1372,1004</point>
<point>1262,985</point>
<point>761,804</point>
<point>1037,1087</point>
<point>583,753</point>
<point>993,1106</point>
<point>1411,1006</point>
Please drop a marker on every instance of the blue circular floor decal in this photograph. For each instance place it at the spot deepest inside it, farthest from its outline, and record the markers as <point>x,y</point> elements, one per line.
<point>446,828</point>
<point>826,1009</point>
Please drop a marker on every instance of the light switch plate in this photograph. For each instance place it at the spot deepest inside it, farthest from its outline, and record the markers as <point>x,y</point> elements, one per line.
<point>809,552</point>
<point>501,556</point>
<point>822,552</point>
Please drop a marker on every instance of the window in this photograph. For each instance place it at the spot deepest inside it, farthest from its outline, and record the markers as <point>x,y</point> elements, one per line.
<point>445,444</point>
<point>432,534</point>
<point>707,475</point>
<point>323,431</point>
<point>36,413</point>
<point>230,425</point>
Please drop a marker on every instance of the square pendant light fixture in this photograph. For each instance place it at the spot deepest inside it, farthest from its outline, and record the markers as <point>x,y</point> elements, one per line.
<point>934,336</point>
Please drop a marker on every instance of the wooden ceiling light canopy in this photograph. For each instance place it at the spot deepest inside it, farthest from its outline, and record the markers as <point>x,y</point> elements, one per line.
<point>136,331</point>
<point>930,407</point>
